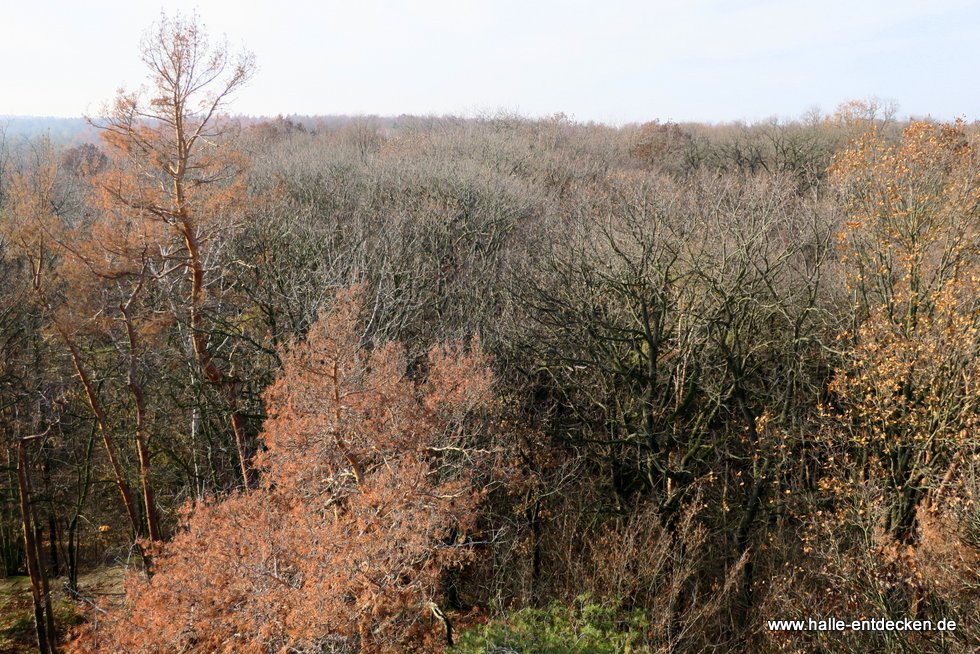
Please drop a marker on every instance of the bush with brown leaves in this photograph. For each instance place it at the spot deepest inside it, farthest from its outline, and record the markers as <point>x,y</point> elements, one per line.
<point>371,491</point>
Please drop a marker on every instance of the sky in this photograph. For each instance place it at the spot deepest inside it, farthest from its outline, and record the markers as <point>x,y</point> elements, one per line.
<point>608,61</point>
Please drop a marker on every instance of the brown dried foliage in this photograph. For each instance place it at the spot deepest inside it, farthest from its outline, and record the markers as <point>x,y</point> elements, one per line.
<point>370,494</point>
<point>910,375</point>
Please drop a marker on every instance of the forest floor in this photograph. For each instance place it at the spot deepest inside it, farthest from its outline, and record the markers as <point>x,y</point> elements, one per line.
<point>17,635</point>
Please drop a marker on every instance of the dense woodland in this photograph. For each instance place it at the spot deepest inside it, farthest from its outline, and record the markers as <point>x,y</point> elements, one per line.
<point>507,384</point>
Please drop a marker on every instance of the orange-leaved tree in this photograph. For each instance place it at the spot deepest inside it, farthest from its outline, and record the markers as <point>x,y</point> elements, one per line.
<point>39,234</point>
<point>173,163</point>
<point>370,496</point>
<point>910,376</point>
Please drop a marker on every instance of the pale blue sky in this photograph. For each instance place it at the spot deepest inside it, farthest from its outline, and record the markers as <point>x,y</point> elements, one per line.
<point>712,60</point>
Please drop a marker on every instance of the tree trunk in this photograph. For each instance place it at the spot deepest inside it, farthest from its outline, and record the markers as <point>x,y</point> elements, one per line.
<point>102,422</point>
<point>72,555</point>
<point>199,338</point>
<point>34,568</point>
<point>136,390</point>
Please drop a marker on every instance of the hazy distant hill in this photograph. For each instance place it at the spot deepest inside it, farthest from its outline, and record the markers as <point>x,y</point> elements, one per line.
<point>71,131</point>
<point>59,130</point>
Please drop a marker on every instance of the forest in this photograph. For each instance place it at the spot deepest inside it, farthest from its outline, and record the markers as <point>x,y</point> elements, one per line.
<point>491,384</point>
